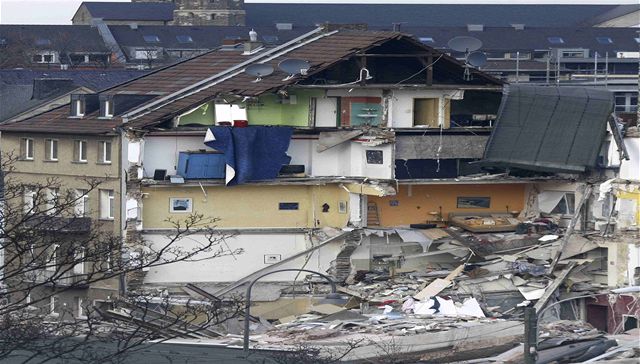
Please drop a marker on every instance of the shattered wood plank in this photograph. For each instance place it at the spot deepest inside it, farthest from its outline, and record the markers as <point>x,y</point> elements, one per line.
<point>572,225</point>
<point>438,285</point>
<point>554,285</point>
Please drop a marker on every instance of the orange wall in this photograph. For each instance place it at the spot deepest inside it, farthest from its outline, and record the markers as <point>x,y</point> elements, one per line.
<point>415,202</point>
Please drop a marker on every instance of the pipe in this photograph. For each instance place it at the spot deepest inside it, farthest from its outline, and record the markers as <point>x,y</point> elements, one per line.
<point>247,314</point>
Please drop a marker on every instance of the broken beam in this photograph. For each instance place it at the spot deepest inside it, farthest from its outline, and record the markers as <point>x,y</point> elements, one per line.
<point>572,225</point>
<point>552,288</point>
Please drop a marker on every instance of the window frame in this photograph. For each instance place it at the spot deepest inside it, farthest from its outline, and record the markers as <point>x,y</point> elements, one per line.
<point>27,149</point>
<point>107,204</point>
<point>51,150</point>
<point>29,198</point>
<point>102,151</point>
<point>82,203</point>
<point>78,267</point>
<point>80,148</point>
<point>51,264</point>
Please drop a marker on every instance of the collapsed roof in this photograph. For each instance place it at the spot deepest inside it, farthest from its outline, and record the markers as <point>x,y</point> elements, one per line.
<point>549,128</point>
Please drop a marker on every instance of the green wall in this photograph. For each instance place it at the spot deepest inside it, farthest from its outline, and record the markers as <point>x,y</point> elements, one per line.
<point>271,112</point>
<point>204,115</point>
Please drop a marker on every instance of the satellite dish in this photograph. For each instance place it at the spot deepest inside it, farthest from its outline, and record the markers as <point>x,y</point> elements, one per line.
<point>259,70</point>
<point>477,59</point>
<point>465,44</point>
<point>293,67</point>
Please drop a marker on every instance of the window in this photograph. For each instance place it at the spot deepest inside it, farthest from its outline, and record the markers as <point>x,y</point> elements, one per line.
<point>184,39</point>
<point>78,267</point>
<point>80,150</point>
<point>427,40</point>
<point>26,149</point>
<point>52,259</point>
<point>555,40</point>
<point>566,205</point>
<point>374,156</point>
<point>53,305</point>
<point>107,204</point>
<point>518,55</point>
<point>146,54</point>
<point>104,152</point>
<point>107,108</point>
<point>604,40</point>
<point>51,150</point>
<point>82,203</point>
<point>626,102</point>
<point>288,206</point>
<point>77,107</point>
<point>43,42</point>
<point>151,38</point>
<point>52,200</point>
<point>180,205</point>
<point>473,202</point>
<point>44,57</point>
<point>29,201</point>
<point>573,54</point>
<point>80,305</point>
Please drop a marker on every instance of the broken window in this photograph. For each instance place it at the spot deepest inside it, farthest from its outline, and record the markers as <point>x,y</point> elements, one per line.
<point>556,202</point>
<point>374,157</point>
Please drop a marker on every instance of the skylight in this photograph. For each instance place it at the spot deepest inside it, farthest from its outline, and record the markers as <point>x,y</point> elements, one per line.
<point>555,40</point>
<point>43,42</point>
<point>151,38</point>
<point>184,39</point>
<point>270,39</point>
<point>637,40</point>
<point>427,40</point>
<point>604,40</point>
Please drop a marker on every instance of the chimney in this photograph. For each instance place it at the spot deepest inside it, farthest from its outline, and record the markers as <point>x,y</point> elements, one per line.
<point>252,45</point>
<point>43,88</point>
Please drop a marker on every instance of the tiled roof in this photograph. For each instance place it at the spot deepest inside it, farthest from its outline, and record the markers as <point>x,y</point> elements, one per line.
<point>178,87</point>
<point>144,11</point>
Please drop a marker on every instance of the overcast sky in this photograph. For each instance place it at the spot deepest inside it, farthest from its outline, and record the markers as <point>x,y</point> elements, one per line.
<point>61,11</point>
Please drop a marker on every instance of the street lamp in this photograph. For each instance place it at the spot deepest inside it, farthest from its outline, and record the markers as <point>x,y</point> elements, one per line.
<point>332,297</point>
<point>531,320</point>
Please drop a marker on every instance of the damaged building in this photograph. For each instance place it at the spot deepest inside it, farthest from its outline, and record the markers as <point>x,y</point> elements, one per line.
<point>411,178</point>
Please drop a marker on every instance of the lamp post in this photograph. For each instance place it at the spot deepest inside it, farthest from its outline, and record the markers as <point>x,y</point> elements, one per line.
<point>247,314</point>
<point>531,320</point>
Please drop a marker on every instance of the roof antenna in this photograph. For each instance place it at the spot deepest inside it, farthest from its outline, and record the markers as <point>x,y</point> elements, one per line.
<point>467,45</point>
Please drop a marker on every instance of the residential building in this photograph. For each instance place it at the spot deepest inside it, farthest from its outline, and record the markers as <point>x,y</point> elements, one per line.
<point>341,146</point>
<point>70,157</point>
<point>52,46</point>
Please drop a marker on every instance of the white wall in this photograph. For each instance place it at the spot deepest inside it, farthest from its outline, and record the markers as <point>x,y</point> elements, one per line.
<point>229,269</point>
<point>346,159</point>
<point>161,152</point>
<point>401,104</point>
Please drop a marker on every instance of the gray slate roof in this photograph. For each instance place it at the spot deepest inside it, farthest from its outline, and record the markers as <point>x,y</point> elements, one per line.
<point>93,79</point>
<point>62,38</point>
<point>263,14</point>
<point>510,39</point>
<point>203,37</point>
<point>131,11</point>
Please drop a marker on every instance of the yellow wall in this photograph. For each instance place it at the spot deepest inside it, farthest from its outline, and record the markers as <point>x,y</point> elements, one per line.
<point>415,202</point>
<point>249,206</point>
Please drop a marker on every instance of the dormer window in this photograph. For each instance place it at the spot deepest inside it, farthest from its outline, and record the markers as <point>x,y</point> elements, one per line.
<point>77,107</point>
<point>106,107</point>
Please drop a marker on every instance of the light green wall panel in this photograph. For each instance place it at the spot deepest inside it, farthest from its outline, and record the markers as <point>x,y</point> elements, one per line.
<point>271,112</point>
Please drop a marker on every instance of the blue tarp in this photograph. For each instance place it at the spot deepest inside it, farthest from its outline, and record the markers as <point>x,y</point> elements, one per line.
<point>253,153</point>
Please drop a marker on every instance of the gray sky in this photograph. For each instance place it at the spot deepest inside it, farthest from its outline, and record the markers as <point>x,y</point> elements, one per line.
<point>61,11</point>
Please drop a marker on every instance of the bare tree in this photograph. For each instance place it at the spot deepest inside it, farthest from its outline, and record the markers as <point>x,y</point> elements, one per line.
<point>48,249</point>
